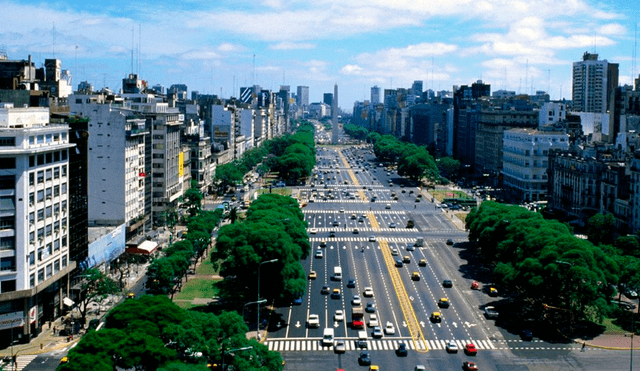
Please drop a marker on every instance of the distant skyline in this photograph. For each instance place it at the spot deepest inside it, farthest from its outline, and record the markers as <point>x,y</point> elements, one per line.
<point>216,47</point>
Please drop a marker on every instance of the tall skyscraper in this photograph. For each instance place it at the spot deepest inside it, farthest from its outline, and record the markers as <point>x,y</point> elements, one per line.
<point>417,88</point>
<point>328,99</point>
<point>335,131</point>
<point>375,95</point>
<point>593,82</point>
<point>302,99</point>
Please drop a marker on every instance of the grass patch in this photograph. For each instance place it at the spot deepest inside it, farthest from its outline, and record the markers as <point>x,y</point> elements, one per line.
<point>279,191</point>
<point>611,328</point>
<point>206,267</point>
<point>441,194</point>
<point>197,288</point>
<point>462,217</point>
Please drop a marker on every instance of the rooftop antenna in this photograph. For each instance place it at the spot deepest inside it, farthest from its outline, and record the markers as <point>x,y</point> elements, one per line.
<point>139,46</point>
<point>132,36</point>
<point>526,75</point>
<point>633,57</point>
<point>504,86</point>
<point>549,82</point>
<point>253,77</point>
<point>53,36</point>
<point>432,72</point>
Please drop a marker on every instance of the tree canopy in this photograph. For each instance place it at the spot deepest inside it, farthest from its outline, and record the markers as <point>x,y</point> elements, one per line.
<point>273,229</point>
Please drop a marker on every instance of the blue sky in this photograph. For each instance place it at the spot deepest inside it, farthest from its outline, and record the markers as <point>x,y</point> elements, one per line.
<point>210,45</point>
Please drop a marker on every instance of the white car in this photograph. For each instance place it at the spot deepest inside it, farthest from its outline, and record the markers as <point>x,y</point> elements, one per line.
<point>373,320</point>
<point>356,300</point>
<point>314,321</point>
<point>372,238</point>
<point>368,292</point>
<point>313,231</point>
<point>339,315</point>
<point>452,347</point>
<point>389,329</point>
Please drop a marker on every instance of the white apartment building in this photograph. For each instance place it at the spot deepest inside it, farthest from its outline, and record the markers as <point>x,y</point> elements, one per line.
<point>116,160</point>
<point>526,160</point>
<point>552,112</point>
<point>34,243</point>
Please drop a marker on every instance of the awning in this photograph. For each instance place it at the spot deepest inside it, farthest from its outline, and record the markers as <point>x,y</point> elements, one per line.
<point>145,248</point>
<point>68,302</point>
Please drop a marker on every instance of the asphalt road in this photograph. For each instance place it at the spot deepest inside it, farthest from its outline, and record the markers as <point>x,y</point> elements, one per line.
<point>348,206</point>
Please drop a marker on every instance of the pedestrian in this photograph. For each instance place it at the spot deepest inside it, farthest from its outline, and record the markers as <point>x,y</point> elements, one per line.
<point>54,330</point>
<point>584,345</point>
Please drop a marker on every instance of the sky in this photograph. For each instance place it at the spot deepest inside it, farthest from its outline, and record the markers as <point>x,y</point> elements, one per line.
<point>218,46</point>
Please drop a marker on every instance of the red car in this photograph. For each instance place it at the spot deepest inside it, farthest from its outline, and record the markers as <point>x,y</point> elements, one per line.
<point>357,324</point>
<point>469,366</point>
<point>470,349</point>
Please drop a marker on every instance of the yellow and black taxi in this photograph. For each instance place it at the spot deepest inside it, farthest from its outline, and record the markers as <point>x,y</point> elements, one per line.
<point>436,317</point>
<point>415,276</point>
<point>443,303</point>
<point>313,275</point>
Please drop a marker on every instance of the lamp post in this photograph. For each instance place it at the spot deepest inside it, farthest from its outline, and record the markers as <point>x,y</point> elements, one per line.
<point>224,352</point>
<point>260,265</point>
<point>252,302</point>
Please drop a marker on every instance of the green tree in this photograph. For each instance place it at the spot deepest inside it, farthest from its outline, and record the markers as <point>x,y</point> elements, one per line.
<point>601,229</point>
<point>193,199</point>
<point>448,167</point>
<point>94,287</point>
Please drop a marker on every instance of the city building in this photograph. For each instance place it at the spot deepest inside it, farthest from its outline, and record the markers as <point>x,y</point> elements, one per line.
<point>302,97</point>
<point>593,83</point>
<point>375,95</point>
<point>34,221</point>
<point>526,161</point>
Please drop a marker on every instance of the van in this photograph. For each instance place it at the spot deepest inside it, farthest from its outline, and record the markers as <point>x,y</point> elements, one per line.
<point>327,337</point>
<point>337,273</point>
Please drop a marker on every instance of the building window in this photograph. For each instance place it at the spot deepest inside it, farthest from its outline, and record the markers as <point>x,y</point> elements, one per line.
<point>48,212</point>
<point>56,172</point>
<point>41,275</point>
<point>56,191</point>
<point>6,243</point>
<point>8,286</point>
<point>56,156</point>
<point>32,140</point>
<point>56,245</point>
<point>49,270</point>
<point>32,258</point>
<point>7,141</point>
<point>32,237</point>
<point>49,175</point>
<point>48,230</point>
<point>40,215</point>
<point>64,188</point>
<point>63,261</point>
<point>8,163</point>
<point>40,195</point>
<point>40,177</point>
<point>32,161</point>
<point>40,253</point>
<point>32,280</point>
<point>56,267</point>
<point>32,179</point>
<point>40,139</point>
<point>64,170</point>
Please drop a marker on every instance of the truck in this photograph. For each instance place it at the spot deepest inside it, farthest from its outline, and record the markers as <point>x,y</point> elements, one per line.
<point>357,317</point>
<point>419,242</point>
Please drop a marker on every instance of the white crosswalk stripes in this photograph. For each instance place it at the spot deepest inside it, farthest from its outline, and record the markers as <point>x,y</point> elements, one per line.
<point>23,361</point>
<point>329,240</point>
<point>362,230</point>
<point>382,344</point>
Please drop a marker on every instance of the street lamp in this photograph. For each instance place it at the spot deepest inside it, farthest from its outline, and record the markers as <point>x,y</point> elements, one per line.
<point>260,265</point>
<point>252,302</point>
<point>224,352</point>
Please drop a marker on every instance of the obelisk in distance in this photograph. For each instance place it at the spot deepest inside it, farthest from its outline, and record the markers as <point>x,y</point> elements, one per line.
<point>335,131</point>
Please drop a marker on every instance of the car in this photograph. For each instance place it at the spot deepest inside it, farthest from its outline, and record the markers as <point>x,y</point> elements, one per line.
<point>451,347</point>
<point>298,300</point>
<point>422,262</point>
<point>469,366</point>
<point>362,340</point>
<point>389,329</point>
<point>335,223</point>
<point>402,350</point>
<point>313,275</point>
<point>420,368</point>
<point>342,209</point>
<point>493,291</point>
<point>410,247</point>
<point>394,251</point>
<point>360,220</point>
<point>368,292</point>
<point>443,303</point>
<point>447,283</point>
<point>313,230</point>
<point>373,321</point>
<point>374,368</point>
<point>490,312</point>
<point>364,359</point>
<point>356,300</point>
<point>417,199</point>
<point>353,216</point>
<point>387,206</point>
<point>370,308</point>
<point>351,283</point>
<point>64,359</point>
<point>313,321</point>
<point>323,243</point>
<point>399,263</point>
<point>470,349</point>
<point>372,238</point>
<point>526,335</point>
<point>338,315</point>
<point>325,290</point>
<point>415,276</point>
<point>406,259</point>
<point>392,225</point>
<point>319,254</point>
<point>435,317</point>
<point>332,234</point>
<point>377,332</point>
<point>356,231</point>
<point>335,294</point>
<point>131,295</point>
<point>449,242</point>
<point>339,346</point>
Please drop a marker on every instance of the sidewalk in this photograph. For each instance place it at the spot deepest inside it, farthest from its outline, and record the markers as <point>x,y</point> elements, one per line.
<point>612,342</point>
<point>47,341</point>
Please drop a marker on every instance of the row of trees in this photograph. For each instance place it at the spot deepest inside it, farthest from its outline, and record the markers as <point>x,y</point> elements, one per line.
<point>162,272</point>
<point>356,132</point>
<point>412,160</point>
<point>543,259</point>
<point>152,333</point>
<point>292,155</point>
<point>273,229</point>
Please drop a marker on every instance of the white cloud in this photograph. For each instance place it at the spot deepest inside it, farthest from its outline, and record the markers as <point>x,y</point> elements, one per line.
<point>613,29</point>
<point>351,69</point>
<point>287,45</point>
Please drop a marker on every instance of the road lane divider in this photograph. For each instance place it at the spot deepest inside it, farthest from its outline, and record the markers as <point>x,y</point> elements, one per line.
<point>373,221</point>
<point>403,297</point>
